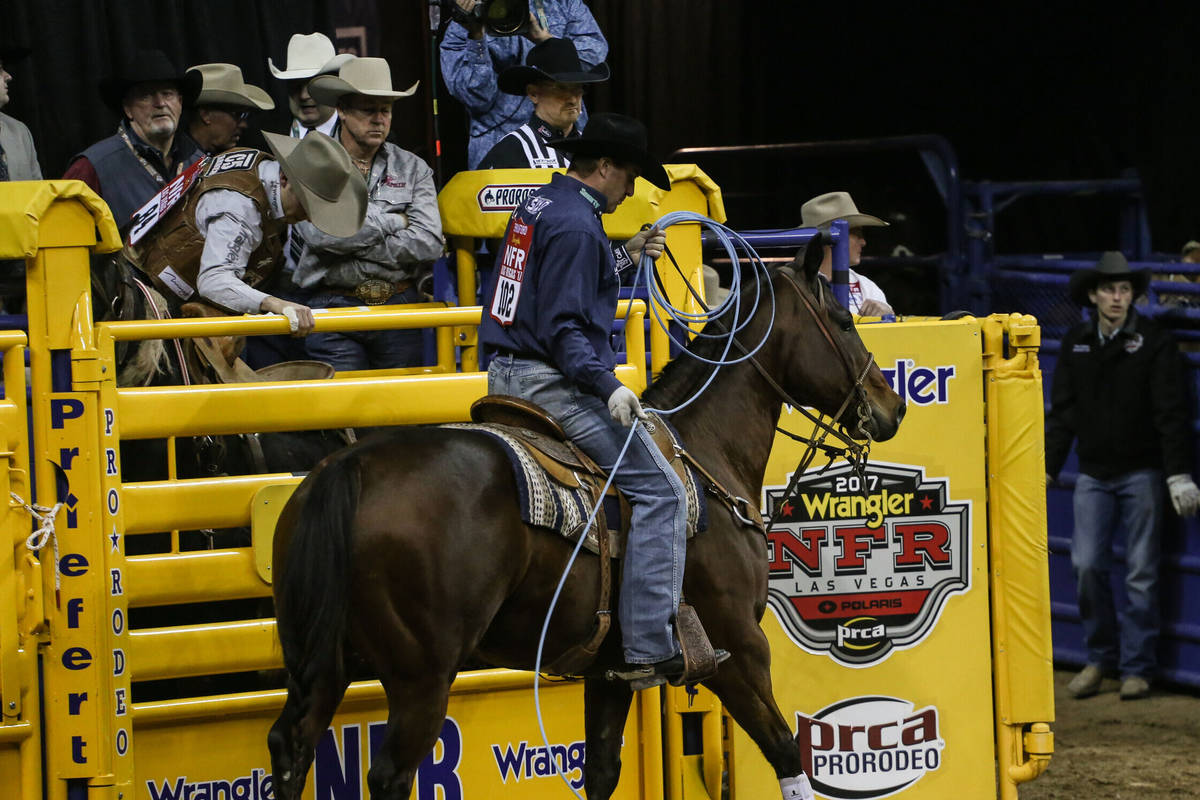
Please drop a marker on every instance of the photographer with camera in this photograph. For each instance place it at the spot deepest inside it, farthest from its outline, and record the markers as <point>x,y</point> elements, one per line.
<point>484,39</point>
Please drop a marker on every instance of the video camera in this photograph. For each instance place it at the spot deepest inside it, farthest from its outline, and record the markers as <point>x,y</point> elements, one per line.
<point>498,17</point>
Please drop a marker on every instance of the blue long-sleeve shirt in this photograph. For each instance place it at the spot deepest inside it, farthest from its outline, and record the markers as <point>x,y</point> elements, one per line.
<point>470,68</point>
<point>553,294</point>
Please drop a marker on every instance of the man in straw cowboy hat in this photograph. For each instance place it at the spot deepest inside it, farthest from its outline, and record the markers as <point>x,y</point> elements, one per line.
<point>1119,393</point>
<point>223,107</point>
<point>553,79</point>
<point>308,55</point>
<point>135,163</point>
<point>866,298</point>
<point>218,236</point>
<point>384,261</point>
<point>547,318</point>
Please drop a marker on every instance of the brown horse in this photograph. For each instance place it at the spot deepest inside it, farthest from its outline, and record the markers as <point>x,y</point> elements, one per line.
<point>407,552</point>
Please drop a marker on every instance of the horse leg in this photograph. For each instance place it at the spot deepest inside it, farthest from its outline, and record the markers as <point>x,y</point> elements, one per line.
<point>605,707</point>
<point>293,738</point>
<point>416,710</point>
<point>744,686</point>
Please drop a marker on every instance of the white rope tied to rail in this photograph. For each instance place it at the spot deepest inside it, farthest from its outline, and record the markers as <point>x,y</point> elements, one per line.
<point>45,533</point>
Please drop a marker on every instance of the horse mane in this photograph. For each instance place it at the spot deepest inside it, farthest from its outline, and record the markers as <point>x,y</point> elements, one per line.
<point>683,375</point>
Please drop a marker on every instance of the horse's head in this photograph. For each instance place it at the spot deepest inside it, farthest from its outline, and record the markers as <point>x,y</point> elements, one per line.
<point>823,362</point>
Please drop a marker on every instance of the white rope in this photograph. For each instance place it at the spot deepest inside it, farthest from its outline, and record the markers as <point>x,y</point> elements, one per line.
<point>45,533</point>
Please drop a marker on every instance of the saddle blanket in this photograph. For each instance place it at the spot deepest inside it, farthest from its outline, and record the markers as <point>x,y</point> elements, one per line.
<point>547,503</point>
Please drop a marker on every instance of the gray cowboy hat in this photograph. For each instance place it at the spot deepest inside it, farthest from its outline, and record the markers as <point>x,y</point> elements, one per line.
<point>1112,266</point>
<point>369,77</point>
<point>620,138</point>
<point>331,190</point>
<point>552,60</point>
<point>147,66</point>
<point>223,85</point>
<point>824,209</point>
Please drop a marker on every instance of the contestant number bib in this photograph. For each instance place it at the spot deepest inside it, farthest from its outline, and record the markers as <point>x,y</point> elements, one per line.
<point>511,273</point>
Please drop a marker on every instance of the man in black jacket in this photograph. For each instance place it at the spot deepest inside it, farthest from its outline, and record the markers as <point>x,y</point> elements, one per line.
<point>1119,391</point>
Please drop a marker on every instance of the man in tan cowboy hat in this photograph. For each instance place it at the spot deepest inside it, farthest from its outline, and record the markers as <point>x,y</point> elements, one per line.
<point>1118,392</point>
<point>135,163</point>
<point>866,298</point>
<point>218,236</point>
<point>223,106</point>
<point>308,55</point>
<point>553,79</point>
<point>383,262</point>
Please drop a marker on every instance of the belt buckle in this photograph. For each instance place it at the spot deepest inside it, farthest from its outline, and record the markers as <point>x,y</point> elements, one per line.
<point>374,291</point>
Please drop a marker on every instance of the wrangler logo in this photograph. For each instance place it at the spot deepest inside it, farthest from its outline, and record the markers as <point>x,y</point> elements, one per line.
<point>860,566</point>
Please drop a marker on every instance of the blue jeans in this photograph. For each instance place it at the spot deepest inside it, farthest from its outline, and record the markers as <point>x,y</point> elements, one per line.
<point>1134,499</point>
<point>652,573</point>
<point>366,349</point>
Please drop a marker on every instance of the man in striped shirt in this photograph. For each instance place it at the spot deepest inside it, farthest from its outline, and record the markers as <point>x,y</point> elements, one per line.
<point>553,79</point>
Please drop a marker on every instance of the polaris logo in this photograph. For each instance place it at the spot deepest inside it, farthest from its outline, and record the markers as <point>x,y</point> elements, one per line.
<point>868,747</point>
<point>505,197</point>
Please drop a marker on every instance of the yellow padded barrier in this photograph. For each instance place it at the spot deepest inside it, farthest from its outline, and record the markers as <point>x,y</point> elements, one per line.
<point>24,205</point>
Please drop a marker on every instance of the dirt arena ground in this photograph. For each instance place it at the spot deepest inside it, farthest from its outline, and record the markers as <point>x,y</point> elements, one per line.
<point>1105,748</point>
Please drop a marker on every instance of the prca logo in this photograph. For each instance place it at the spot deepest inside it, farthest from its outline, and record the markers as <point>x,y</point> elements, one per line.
<point>504,197</point>
<point>867,747</point>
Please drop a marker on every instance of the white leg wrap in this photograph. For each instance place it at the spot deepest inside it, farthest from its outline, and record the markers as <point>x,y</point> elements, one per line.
<point>797,788</point>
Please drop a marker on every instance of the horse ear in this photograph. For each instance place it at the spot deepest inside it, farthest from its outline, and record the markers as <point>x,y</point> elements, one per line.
<point>814,254</point>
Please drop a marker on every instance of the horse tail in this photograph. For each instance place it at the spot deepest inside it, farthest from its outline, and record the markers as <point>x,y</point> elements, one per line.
<point>313,600</point>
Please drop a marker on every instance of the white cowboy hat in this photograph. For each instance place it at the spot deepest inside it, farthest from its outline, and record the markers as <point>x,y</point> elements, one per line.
<point>222,85</point>
<point>370,77</point>
<point>308,55</point>
<point>825,208</point>
<point>331,190</point>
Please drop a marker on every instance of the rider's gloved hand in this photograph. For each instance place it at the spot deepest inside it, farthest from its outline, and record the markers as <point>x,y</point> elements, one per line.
<point>651,241</point>
<point>1185,496</point>
<point>624,405</point>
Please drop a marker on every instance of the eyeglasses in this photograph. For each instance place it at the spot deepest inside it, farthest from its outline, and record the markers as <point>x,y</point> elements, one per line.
<point>238,114</point>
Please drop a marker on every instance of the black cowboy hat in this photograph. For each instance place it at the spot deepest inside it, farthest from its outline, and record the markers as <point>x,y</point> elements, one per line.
<point>147,66</point>
<point>1112,266</point>
<point>619,137</point>
<point>552,60</point>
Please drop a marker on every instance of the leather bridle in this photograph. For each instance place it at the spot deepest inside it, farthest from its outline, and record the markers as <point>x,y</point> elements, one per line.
<point>855,452</point>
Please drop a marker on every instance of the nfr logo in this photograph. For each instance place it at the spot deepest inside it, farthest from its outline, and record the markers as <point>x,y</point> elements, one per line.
<point>920,385</point>
<point>868,747</point>
<point>862,565</point>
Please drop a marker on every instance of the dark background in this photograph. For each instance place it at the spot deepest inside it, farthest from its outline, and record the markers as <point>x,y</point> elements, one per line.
<point>1066,92</point>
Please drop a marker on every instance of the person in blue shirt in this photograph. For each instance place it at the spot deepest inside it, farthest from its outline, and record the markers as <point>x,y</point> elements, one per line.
<point>472,59</point>
<point>548,317</point>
